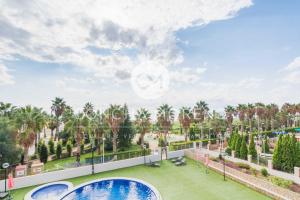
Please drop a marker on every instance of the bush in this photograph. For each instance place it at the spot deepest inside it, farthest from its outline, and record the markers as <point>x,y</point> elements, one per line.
<point>39,146</point>
<point>244,149</point>
<point>253,171</point>
<point>264,172</point>
<point>228,151</point>
<point>58,150</point>
<point>161,142</point>
<point>69,148</point>
<point>252,149</point>
<point>51,146</point>
<point>281,182</point>
<point>44,153</point>
<point>238,145</point>
<point>82,148</point>
<point>33,157</point>
<point>243,165</point>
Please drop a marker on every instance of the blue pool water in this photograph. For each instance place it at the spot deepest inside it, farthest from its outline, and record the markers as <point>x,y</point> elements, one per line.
<point>50,192</point>
<point>114,189</point>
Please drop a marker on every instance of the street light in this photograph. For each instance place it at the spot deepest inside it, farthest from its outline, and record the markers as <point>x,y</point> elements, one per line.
<point>5,166</point>
<point>93,147</point>
<point>144,147</point>
<point>222,157</point>
<point>103,140</point>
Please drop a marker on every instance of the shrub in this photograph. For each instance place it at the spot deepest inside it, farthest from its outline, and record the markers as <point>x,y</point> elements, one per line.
<point>33,157</point>
<point>58,150</point>
<point>238,144</point>
<point>277,156</point>
<point>243,165</point>
<point>44,153</point>
<point>244,149</point>
<point>39,146</point>
<point>281,182</point>
<point>253,171</point>
<point>51,146</point>
<point>265,146</point>
<point>252,150</point>
<point>228,151</point>
<point>264,172</point>
<point>69,148</point>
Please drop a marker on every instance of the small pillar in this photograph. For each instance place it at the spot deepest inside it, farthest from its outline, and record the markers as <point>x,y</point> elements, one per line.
<point>270,164</point>
<point>233,154</point>
<point>21,170</point>
<point>249,158</point>
<point>37,168</point>
<point>208,146</point>
<point>297,172</point>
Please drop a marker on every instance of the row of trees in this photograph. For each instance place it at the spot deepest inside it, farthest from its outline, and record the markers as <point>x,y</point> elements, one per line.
<point>27,123</point>
<point>286,153</point>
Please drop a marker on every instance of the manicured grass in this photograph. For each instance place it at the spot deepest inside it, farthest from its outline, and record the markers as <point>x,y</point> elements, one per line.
<point>177,183</point>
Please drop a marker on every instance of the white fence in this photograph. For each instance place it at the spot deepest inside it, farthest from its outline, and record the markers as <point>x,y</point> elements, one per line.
<point>77,172</point>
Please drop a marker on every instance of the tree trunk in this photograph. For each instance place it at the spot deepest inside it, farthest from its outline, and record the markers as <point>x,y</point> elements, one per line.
<point>45,132</point>
<point>185,135</point>
<point>165,137</point>
<point>272,124</point>
<point>242,126</point>
<point>51,133</point>
<point>26,155</point>
<point>115,135</point>
<point>142,139</point>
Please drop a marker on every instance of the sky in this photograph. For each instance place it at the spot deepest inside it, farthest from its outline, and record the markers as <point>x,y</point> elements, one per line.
<point>146,53</point>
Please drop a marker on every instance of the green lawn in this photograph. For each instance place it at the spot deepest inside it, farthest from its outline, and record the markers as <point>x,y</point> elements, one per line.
<point>177,183</point>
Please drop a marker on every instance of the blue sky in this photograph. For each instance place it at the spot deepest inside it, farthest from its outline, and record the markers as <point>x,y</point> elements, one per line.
<point>224,52</point>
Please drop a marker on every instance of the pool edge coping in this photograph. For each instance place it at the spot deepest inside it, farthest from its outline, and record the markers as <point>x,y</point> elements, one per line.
<point>31,192</point>
<point>156,192</point>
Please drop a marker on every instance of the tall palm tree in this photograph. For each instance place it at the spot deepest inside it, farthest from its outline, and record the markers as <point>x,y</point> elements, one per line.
<point>260,113</point>
<point>52,124</point>
<point>201,112</point>
<point>58,107</point>
<point>250,114</point>
<point>230,111</point>
<point>241,111</point>
<point>271,111</point>
<point>7,109</point>
<point>143,123</point>
<point>68,113</point>
<point>76,125</point>
<point>88,109</point>
<point>114,116</point>
<point>165,118</point>
<point>28,122</point>
<point>97,127</point>
<point>185,117</point>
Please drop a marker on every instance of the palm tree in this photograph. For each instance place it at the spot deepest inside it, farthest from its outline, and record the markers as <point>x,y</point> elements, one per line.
<point>217,123</point>
<point>28,122</point>
<point>88,109</point>
<point>58,107</point>
<point>271,111</point>
<point>97,127</point>
<point>230,111</point>
<point>201,111</point>
<point>6,109</point>
<point>260,113</point>
<point>165,118</point>
<point>241,111</point>
<point>114,116</point>
<point>68,113</point>
<point>143,122</point>
<point>76,125</point>
<point>185,118</point>
<point>250,114</point>
<point>52,124</point>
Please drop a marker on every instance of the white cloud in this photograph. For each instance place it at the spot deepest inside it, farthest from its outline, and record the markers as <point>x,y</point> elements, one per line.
<point>5,77</point>
<point>292,72</point>
<point>62,31</point>
<point>187,75</point>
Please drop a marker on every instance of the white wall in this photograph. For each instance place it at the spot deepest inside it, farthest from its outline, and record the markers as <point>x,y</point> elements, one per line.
<point>76,172</point>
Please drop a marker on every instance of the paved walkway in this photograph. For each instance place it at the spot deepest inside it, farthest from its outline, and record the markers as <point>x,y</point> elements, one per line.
<point>258,184</point>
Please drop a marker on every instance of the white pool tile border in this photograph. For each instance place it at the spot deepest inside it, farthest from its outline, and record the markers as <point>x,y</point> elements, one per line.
<point>29,194</point>
<point>156,192</point>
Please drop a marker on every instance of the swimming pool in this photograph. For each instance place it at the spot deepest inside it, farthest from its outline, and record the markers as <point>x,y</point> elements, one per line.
<point>113,189</point>
<point>49,191</point>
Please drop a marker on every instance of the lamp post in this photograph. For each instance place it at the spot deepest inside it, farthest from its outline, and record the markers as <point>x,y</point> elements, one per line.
<point>144,148</point>
<point>103,140</point>
<point>93,147</point>
<point>5,166</point>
